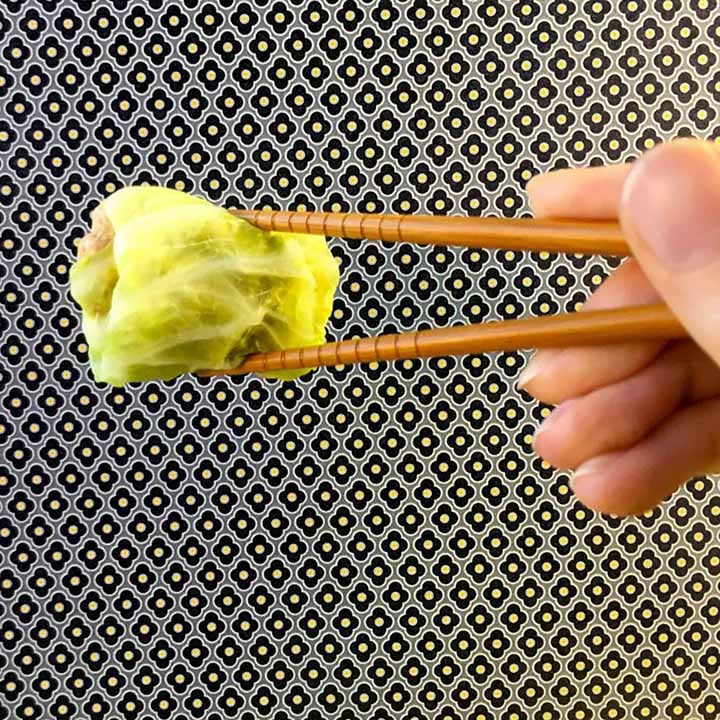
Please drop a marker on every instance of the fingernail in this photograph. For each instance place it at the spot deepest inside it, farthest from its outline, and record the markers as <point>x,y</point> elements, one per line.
<point>670,204</point>
<point>533,182</point>
<point>555,416</point>
<point>532,370</point>
<point>587,469</point>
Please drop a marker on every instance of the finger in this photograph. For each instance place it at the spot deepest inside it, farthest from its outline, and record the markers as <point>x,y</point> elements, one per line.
<point>553,376</point>
<point>588,193</point>
<point>633,481</point>
<point>620,415</point>
<point>671,216</point>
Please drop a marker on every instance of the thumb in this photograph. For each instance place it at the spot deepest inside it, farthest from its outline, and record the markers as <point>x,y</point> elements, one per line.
<point>670,212</point>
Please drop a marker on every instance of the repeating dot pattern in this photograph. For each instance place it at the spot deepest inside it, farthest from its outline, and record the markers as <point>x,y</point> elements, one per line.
<point>366,542</point>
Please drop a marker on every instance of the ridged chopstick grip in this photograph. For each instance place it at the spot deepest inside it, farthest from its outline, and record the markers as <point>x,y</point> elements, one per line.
<point>522,234</point>
<point>598,327</point>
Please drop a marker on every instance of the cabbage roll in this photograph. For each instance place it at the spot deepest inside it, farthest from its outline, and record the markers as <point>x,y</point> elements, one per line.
<point>169,283</point>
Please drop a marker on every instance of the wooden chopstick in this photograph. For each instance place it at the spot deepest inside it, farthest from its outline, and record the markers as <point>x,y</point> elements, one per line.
<point>531,234</point>
<point>593,327</point>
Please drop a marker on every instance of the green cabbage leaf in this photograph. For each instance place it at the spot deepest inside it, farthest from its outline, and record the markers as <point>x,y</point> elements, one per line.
<point>176,284</point>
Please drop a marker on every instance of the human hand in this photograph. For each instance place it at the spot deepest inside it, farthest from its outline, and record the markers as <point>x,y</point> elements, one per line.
<point>637,420</point>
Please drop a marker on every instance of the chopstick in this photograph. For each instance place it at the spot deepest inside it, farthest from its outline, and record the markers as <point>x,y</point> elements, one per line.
<point>598,327</point>
<point>594,327</point>
<point>532,234</point>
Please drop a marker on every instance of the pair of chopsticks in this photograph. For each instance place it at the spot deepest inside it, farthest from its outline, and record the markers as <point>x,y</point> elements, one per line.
<point>598,327</point>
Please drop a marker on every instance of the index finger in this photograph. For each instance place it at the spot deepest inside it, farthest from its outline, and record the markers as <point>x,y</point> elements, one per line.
<point>585,193</point>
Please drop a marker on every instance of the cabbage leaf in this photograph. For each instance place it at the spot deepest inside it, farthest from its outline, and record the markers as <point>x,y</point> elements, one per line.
<point>169,283</point>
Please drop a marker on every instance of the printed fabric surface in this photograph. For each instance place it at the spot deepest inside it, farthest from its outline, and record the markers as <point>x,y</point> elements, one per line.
<point>366,542</point>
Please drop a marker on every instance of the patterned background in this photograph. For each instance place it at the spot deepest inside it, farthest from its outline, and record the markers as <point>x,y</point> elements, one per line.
<point>370,542</point>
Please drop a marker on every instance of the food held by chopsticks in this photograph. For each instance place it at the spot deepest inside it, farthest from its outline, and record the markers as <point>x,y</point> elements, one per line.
<point>169,283</point>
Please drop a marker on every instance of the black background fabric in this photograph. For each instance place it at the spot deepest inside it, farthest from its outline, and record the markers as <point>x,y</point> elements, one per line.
<point>367,542</point>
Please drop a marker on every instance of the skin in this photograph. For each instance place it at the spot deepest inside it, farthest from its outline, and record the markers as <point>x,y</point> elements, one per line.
<point>636,421</point>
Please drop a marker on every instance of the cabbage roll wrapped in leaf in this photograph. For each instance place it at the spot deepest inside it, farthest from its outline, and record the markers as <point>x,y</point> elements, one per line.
<point>169,283</point>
